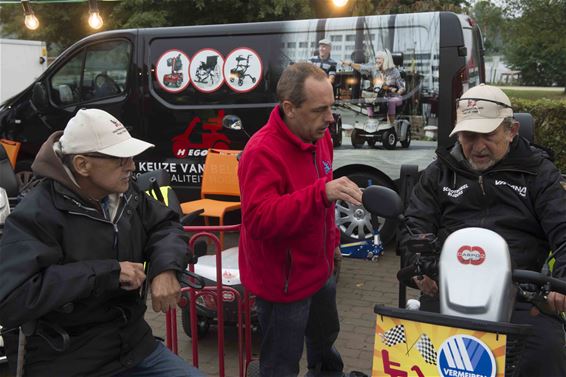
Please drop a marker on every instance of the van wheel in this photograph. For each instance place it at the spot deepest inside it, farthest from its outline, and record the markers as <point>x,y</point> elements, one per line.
<point>357,140</point>
<point>405,143</point>
<point>203,323</point>
<point>355,223</point>
<point>389,139</point>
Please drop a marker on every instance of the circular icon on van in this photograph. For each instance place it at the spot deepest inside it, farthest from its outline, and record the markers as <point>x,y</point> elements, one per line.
<point>206,70</point>
<point>172,71</point>
<point>243,69</point>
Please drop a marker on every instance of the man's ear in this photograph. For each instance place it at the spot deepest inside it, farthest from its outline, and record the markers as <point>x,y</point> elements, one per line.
<point>288,109</point>
<point>81,165</point>
<point>515,129</point>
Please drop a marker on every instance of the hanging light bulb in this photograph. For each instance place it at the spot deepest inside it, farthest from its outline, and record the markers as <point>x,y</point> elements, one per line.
<point>30,20</point>
<point>340,3</point>
<point>94,19</point>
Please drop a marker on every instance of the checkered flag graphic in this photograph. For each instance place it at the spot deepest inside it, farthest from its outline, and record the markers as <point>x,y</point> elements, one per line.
<point>394,335</point>
<point>426,349</point>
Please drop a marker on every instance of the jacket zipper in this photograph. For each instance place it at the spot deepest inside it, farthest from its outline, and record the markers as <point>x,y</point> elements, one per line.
<point>114,224</point>
<point>480,181</point>
<point>290,264</point>
<point>323,219</point>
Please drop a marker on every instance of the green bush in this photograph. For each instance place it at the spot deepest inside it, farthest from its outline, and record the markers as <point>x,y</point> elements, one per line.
<point>550,124</point>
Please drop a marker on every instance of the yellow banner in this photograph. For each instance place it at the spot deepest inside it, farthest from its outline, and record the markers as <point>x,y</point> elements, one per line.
<point>406,348</point>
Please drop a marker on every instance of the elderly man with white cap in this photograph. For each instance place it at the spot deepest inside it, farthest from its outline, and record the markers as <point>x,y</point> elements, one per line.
<point>72,260</point>
<point>492,178</point>
<point>323,59</point>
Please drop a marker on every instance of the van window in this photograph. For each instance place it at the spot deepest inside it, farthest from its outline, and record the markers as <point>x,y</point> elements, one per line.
<point>98,71</point>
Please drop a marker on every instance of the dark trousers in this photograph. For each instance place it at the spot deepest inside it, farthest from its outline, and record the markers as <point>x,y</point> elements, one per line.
<point>285,326</point>
<point>544,353</point>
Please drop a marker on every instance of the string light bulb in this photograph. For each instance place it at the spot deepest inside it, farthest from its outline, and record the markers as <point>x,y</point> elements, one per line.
<point>30,20</point>
<point>94,19</point>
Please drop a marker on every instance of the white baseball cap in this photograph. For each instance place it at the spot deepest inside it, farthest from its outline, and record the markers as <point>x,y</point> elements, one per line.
<point>325,41</point>
<point>482,109</point>
<point>94,130</point>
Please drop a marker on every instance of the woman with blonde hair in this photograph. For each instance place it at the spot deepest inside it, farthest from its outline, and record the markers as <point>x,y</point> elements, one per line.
<point>387,76</point>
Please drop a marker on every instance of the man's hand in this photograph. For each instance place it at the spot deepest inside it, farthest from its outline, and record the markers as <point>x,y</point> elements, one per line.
<point>165,291</point>
<point>426,285</point>
<point>557,302</point>
<point>344,189</point>
<point>132,275</point>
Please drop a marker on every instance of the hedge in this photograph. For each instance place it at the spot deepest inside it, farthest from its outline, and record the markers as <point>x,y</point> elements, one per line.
<point>550,124</point>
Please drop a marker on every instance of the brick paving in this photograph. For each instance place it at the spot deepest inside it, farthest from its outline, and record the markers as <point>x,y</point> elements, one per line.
<point>362,284</point>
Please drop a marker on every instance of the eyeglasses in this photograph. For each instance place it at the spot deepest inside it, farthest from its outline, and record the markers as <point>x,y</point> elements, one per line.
<point>484,100</point>
<point>123,160</point>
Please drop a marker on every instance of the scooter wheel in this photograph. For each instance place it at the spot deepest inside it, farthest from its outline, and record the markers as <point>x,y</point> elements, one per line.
<point>203,323</point>
<point>253,369</point>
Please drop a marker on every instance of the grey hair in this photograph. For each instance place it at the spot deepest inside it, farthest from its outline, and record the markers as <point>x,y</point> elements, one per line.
<point>508,122</point>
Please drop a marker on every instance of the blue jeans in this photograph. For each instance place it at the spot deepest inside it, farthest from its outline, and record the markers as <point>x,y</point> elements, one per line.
<point>284,327</point>
<point>162,362</point>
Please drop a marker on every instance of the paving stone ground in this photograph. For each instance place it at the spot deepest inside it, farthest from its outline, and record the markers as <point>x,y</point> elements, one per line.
<point>362,284</point>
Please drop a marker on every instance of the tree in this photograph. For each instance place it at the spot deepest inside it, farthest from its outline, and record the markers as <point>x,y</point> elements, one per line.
<point>492,21</point>
<point>63,24</point>
<point>535,43</point>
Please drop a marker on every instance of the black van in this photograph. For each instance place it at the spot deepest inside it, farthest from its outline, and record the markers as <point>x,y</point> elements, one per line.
<point>174,86</point>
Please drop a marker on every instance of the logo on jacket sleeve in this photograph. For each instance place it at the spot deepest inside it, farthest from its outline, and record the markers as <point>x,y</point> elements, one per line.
<point>327,167</point>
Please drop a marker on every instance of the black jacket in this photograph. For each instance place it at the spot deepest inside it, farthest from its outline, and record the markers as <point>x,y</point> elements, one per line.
<point>521,198</point>
<point>57,249</point>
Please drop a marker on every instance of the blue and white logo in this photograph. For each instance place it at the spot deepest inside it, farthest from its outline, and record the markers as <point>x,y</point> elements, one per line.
<point>327,167</point>
<point>465,355</point>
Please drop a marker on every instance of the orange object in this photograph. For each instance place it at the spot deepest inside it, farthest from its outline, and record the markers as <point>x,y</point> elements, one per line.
<point>12,149</point>
<point>220,178</point>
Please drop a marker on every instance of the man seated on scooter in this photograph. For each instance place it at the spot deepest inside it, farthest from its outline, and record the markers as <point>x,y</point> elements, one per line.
<point>72,260</point>
<point>289,235</point>
<point>492,178</point>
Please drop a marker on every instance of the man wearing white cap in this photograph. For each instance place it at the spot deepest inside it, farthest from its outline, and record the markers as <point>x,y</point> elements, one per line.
<point>494,179</point>
<point>72,259</point>
<point>323,59</point>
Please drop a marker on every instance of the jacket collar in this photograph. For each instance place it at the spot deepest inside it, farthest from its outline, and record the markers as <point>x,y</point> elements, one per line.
<point>521,156</point>
<point>277,122</point>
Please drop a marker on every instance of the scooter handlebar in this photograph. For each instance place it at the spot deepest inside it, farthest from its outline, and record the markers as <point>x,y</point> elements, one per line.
<point>527,276</point>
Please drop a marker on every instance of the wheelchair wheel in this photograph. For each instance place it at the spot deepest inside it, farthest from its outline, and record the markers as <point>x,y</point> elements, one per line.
<point>357,140</point>
<point>203,323</point>
<point>389,139</point>
<point>405,143</point>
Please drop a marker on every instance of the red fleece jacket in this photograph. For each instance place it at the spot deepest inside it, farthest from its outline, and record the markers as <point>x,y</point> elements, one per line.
<point>288,233</point>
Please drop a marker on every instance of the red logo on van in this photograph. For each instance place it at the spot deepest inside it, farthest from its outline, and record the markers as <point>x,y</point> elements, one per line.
<point>474,255</point>
<point>210,137</point>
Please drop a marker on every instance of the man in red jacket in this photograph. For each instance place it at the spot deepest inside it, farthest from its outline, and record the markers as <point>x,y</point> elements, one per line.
<point>289,235</point>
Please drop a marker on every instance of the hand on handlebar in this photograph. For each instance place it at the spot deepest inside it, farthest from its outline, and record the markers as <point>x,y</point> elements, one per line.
<point>165,291</point>
<point>556,302</point>
<point>343,189</point>
<point>426,285</point>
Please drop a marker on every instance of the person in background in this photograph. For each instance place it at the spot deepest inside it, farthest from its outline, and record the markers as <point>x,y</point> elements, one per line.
<point>323,59</point>
<point>289,235</point>
<point>386,76</point>
<point>494,179</point>
<point>72,260</point>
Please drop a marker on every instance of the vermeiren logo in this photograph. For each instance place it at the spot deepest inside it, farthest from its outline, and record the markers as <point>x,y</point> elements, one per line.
<point>474,255</point>
<point>465,355</point>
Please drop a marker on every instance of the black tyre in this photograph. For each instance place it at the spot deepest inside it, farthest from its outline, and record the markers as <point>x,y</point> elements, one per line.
<point>357,140</point>
<point>337,137</point>
<point>253,369</point>
<point>203,323</point>
<point>389,139</point>
<point>355,223</point>
<point>405,143</point>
